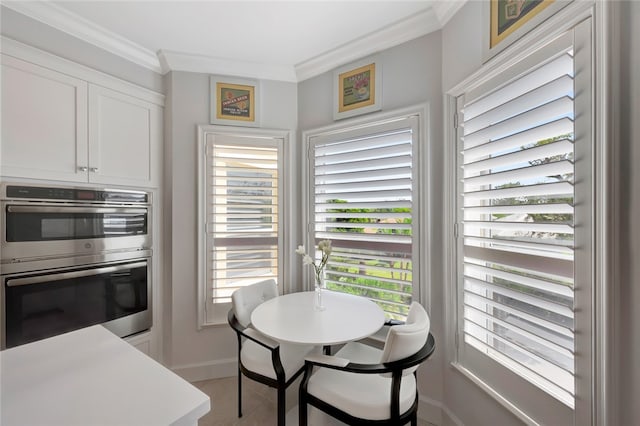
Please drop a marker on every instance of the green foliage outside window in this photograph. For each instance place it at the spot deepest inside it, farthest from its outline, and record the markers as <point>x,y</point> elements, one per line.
<point>387,282</point>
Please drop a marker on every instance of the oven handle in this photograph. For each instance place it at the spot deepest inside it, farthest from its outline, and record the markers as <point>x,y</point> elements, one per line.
<point>47,209</point>
<point>69,275</point>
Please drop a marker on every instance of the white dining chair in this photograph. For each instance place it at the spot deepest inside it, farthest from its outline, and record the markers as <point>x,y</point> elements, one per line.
<point>362,384</point>
<point>259,357</point>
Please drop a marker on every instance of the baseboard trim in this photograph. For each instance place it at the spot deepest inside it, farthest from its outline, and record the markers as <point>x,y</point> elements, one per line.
<point>207,370</point>
<point>436,412</point>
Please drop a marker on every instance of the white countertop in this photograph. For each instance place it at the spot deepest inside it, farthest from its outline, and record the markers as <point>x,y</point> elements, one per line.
<point>292,318</point>
<point>92,377</point>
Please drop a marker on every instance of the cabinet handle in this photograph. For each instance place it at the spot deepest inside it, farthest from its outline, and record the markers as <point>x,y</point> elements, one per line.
<point>93,170</point>
<point>83,169</point>
<point>74,274</point>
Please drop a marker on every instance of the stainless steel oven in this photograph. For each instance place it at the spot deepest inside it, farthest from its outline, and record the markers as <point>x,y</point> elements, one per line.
<point>54,221</point>
<point>43,299</point>
<point>71,258</point>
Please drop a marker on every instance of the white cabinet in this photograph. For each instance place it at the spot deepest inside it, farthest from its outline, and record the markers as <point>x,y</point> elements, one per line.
<point>141,342</point>
<point>44,123</point>
<point>125,135</point>
<point>59,127</point>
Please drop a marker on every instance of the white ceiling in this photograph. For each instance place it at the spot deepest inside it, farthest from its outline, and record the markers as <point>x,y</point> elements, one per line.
<point>282,40</point>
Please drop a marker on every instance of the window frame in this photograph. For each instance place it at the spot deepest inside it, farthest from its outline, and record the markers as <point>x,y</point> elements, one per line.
<point>422,225</point>
<point>218,317</point>
<point>475,359</point>
<point>595,370</point>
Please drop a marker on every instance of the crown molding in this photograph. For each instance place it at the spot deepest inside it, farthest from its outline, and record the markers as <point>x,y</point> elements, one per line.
<point>392,35</point>
<point>178,61</point>
<point>446,9</point>
<point>429,20</point>
<point>83,29</point>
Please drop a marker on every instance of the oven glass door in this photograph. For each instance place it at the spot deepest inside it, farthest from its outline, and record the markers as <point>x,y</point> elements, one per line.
<point>26,223</point>
<point>44,305</point>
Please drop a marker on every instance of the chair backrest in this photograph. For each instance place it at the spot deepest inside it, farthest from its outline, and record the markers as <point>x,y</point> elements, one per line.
<point>407,339</point>
<point>245,299</point>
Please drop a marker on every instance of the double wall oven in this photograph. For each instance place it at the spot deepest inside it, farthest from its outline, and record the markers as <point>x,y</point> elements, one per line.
<point>71,258</point>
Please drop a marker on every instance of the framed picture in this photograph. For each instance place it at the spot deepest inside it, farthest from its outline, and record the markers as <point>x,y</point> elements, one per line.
<point>234,101</point>
<point>508,20</point>
<point>357,89</point>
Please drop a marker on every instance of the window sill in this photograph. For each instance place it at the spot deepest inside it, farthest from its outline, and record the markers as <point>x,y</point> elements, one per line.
<point>494,394</point>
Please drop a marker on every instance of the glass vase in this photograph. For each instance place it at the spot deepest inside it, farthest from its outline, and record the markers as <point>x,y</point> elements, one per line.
<point>318,303</point>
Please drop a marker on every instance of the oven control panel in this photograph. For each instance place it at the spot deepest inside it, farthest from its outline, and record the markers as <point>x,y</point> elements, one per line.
<point>75,194</point>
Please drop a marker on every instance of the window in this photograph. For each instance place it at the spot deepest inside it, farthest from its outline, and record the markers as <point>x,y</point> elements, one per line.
<point>241,214</point>
<point>524,222</point>
<point>365,199</point>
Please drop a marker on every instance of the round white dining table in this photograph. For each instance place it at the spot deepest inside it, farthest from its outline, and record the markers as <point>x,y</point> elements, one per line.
<point>292,318</point>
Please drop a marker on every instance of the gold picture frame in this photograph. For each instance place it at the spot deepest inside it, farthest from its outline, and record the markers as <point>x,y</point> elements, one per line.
<point>509,20</point>
<point>234,101</point>
<point>357,89</point>
<point>509,15</point>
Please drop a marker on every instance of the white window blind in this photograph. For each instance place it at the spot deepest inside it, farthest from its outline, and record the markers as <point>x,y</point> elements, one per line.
<point>242,204</point>
<point>517,197</point>
<point>364,200</point>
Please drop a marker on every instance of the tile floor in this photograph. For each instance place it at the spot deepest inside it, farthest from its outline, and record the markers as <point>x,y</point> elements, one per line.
<point>258,404</point>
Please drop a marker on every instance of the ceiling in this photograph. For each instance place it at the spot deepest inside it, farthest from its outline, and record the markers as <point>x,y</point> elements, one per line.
<point>280,40</point>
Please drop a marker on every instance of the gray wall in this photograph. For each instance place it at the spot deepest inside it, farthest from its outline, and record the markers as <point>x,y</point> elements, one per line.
<point>34,33</point>
<point>192,350</point>
<point>411,76</point>
<point>462,44</point>
<point>628,344</point>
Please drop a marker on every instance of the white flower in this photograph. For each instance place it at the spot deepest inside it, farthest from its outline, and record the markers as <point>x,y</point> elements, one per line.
<point>324,247</point>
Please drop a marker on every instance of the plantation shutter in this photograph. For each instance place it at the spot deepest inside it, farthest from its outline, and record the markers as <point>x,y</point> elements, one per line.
<point>364,201</point>
<point>517,187</point>
<point>243,214</point>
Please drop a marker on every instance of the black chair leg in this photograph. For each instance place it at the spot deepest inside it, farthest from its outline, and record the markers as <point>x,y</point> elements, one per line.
<point>302,410</point>
<point>239,392</point>
<point>282,403</point>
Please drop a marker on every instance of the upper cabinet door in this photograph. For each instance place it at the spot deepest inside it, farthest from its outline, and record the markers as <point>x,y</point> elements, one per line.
<point>125,138</point>
<point>44,123</point>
